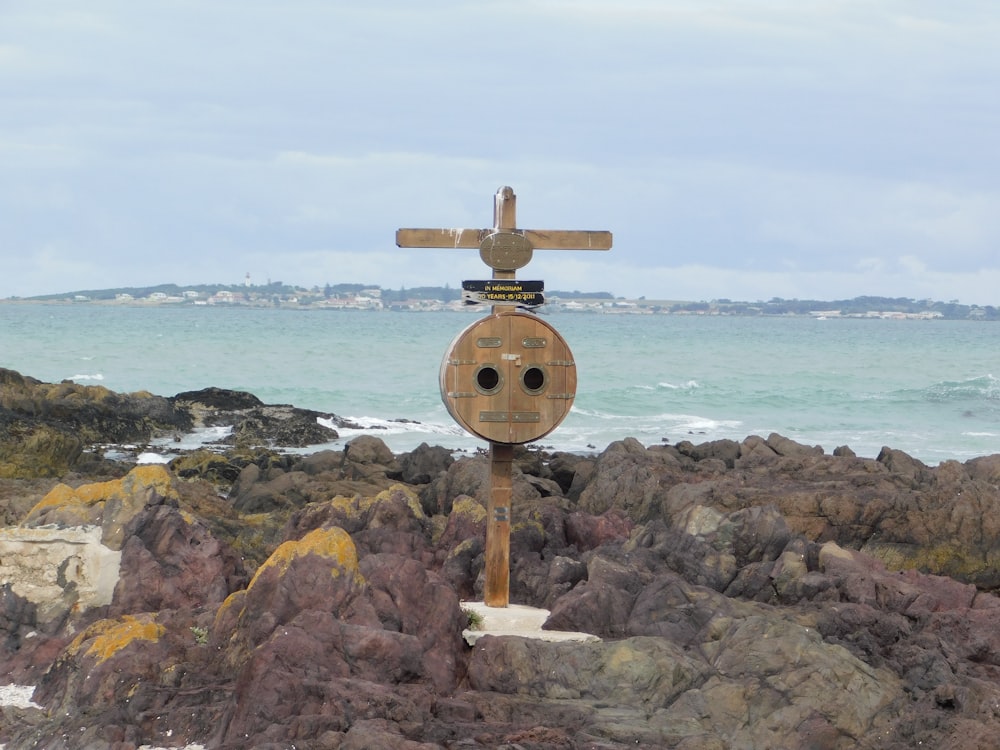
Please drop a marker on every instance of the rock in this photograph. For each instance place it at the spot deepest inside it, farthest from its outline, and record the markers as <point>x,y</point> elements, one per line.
<point>321,462</point>
<point>626,476</point>
<point>318,572</point>
<point>652,672</point>
<point>207,464</point>
<point>754,452</point>
<point>589,532</point>
<point>110,505</point>
<point>366,449</point>
<point>264,496</point>
<point>673,695</point>
<point>36,450</point>
<point>466,520</point>
<point>218,399</point>
<point>18,496</point>
<point>67,556</point>
<point>272,426</point>
<point>726,451</point>
<point>902,464</point>
<point>46,428</point>
<point>985,469</point>
<point>411,601</point>
<point>173,562</point>
<point>564,466</point>
<point>600,605</point>
<point>786,447</point>
<point>424,463</point>
<point>471,476</point>
<point>89,671</point>
<point>18,618</point>
<point>944,520</point>
<point>753,594</point>
<point>313,616</point>
<point>255,423</point>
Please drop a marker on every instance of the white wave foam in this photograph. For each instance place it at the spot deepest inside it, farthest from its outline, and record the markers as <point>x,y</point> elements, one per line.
<point>148,457</point>
<point>689,385</point>
<point>198,437</point>
<point>704,423</point>
<point>390,426</point>
<point>95,376</point>
<point>661,421</point>
<point>399,436</point>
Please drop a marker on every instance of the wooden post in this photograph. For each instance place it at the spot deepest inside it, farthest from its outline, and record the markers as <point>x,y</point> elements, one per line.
<point>496,592</point>
<point>504,248</point>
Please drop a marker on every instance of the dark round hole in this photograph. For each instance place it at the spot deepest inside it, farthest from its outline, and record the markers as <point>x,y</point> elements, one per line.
<point>487,378</point>
<point>533,379</point>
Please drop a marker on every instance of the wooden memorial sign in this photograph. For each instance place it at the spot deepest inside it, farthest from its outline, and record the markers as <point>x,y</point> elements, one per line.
<point>508,378</point>
<point>503,292</point>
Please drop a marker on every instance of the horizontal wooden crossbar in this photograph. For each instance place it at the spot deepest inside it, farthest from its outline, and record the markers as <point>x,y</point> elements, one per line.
<point>546,239</point>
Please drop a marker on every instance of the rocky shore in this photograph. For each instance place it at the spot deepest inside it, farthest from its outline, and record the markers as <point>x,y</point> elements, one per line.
<point>753,594</point>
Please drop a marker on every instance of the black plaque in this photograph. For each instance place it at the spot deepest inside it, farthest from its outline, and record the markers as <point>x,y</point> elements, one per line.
<point>503,292</point>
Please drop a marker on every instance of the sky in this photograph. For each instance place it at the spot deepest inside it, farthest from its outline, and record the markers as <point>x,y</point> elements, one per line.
<point>738,149</point>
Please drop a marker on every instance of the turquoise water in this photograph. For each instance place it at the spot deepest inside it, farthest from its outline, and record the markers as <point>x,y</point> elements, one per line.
<point>930,388</point>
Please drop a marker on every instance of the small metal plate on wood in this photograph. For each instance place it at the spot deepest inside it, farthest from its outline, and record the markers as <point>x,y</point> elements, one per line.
<point>505,251</point>
<point>489,342</point>
<point>493,416</point>
<point>522,417</point>
<point>501,513</point>
<point>534,342</point>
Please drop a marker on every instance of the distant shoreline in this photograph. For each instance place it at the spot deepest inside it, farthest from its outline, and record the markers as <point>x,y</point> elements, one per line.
<point>575,305</point>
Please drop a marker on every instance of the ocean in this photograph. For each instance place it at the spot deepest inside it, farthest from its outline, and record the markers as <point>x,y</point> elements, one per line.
<point>929,388</point>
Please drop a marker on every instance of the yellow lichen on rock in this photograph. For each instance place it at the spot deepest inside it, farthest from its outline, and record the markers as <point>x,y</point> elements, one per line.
<point>469,506</point>
<point>412,499</point>
<point>333,543</point>
<point>61,495</point>
<point>356,504</point>
<point>154,476</point>
<point>345,504</point>
<point>108,637</point>
<point>227,604</point>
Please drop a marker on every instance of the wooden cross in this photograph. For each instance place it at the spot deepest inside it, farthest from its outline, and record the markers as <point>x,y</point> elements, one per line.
<point>504,248</point>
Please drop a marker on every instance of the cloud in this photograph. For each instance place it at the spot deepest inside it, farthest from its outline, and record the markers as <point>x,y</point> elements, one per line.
<point>801,145</point>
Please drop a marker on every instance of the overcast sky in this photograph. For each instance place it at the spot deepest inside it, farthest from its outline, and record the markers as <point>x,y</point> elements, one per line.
<point>742,149</point>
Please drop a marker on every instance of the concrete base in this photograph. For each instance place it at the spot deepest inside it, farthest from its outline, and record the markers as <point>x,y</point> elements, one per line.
<point>50,564</point>
<point>518,620</point>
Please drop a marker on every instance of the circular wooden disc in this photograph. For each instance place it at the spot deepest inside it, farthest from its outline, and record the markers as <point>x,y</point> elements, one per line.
<point>505,251</point>
<point>508,378</point>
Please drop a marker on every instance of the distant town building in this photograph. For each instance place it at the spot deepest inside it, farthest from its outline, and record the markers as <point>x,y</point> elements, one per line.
<point>225,297</point>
